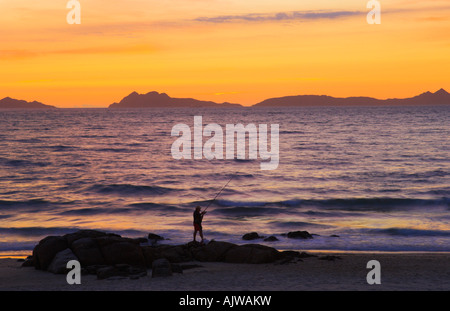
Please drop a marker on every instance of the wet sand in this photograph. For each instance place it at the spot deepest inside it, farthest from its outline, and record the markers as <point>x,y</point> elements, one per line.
<point>399,272</point>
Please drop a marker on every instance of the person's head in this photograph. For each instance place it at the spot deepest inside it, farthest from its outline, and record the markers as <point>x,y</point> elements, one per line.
<point>198,208</point>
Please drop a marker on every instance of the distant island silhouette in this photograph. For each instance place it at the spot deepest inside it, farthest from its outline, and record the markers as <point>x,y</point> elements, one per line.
<point>11,103</point>
<point>162,100</point>
<point>155,99</point>
<point>440,97</point>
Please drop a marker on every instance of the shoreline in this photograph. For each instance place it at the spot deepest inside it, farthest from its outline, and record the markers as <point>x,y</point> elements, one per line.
<point>24,255</point>
<point>399,272</point>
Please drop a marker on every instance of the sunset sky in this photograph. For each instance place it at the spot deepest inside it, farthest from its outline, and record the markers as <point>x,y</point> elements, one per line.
<point>240,51</point>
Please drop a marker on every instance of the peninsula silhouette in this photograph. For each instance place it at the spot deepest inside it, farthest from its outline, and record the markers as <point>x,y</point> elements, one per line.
<point>11,103</point>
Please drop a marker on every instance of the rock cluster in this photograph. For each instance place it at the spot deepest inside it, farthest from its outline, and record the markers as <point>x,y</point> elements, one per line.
<point>100,253</point>
<point>110,255</point>
<point>291,235</point>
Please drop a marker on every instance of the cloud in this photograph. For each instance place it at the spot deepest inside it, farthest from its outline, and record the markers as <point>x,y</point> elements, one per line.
<point>280,16</point>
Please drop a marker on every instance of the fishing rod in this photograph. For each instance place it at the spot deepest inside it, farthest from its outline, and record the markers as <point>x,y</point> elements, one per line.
<point>232,176</point>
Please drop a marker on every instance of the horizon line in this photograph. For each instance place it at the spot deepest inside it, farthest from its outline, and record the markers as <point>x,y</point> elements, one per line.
<point>244,106</point>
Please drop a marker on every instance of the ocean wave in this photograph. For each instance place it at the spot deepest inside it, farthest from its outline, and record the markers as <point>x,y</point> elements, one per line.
<point>21,163</point>
<point>343,202</point>
<point>90,211</point>
<point>247,211</point>
<point>409,232</point>
<point>118,150</point>
<point>51,231</point>
<point>230,203</point>
<point>61,148</point>
<point>129,209</point>
<point>20,202</point>
<point>375,204</point>
<point>401,175</point>
<point>347,205</point>
<point>293,202</point>
<point>128,189</point>
<point>243,176</point>
<point>35,231</point>
<point>23,246</point>
<point>148,206</point>
<point>31,204</point>
<point>32,140</point>
<point>296,224</point>
<point>246,160</point>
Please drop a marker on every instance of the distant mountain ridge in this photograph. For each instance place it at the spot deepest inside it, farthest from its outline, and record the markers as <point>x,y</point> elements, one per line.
<point>162,100</point>
<point>440,97</point>
<point>11,103</point>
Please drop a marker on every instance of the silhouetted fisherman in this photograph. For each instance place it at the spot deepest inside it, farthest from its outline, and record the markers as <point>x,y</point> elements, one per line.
<point>198,218</point>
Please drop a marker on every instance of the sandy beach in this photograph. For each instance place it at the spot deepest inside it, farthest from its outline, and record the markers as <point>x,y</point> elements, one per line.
<point>399,272</point>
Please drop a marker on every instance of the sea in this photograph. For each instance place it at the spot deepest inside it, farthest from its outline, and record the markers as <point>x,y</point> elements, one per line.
<point>359,179</point>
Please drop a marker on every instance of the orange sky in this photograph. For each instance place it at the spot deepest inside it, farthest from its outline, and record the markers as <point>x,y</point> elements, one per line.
<point>221,50</point>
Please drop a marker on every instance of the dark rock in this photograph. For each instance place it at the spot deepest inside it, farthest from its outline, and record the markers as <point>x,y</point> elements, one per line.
<point>150,254</point>
<point>97,250</point>
<point>252,253</point>
<point>175,254</point>
<point>140,240</point>
<point>213,251</point>
<point>161,268</point>
<point>108,240</point>
<point>59,262</point>
<point>29,262</point>
<point>72,237</point>
<point>46,249</point>
<point>271,239</point>
<point>123,252</point>
<point>334,236</point>
<point>194,246</point>
<point>299,235</point>
<point>251,236</point>
<point>154,237</point>
<point>88,252</point>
